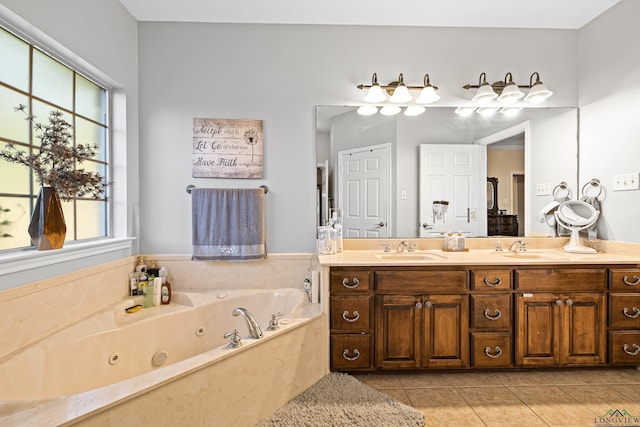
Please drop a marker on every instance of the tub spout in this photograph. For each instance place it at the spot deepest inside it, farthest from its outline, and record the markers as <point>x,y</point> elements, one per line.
<point>254,328</point>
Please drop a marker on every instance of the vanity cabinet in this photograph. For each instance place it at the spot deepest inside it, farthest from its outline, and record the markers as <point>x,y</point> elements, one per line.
<point>561,328</point>
<point>624,316</point>
<point>421,331</point>
<point>351,319</point>
<point>491,318</point>
<point>483,317</point>
<point>421,318</point>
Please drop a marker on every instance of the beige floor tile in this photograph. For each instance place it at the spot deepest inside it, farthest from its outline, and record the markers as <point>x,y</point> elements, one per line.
<point>554,406</point>
<point>447,379</point>
<point>630,391</point>
<point>379,381</point>
<point>443,407</point>
<point>498,406</point>
<point>527,377</point>
<point>601,398</point>
<point>398,394</point>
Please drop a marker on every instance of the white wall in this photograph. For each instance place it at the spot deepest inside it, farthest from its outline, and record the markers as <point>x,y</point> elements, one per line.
<point>279,73</point>
<point>609,76</point>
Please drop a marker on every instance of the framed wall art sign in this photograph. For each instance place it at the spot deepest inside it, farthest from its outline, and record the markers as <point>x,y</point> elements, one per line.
<point>227,148</point>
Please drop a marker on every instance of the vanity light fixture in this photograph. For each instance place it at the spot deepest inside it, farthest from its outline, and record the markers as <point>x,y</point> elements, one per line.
<point>507,91</point>
<point>538,92</point>
<point>510,111</point>
<point>398,92</point>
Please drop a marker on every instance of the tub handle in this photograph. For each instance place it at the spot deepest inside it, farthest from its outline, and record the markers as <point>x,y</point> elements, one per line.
<point>345,283</point>
<point>356,316</point>
<point>273,323</point>
<point>356,354</point>
<point>236,341</point>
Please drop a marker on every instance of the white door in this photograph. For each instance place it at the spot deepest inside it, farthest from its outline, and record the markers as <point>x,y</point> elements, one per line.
<point>455,174</point>
<point>363,191</point>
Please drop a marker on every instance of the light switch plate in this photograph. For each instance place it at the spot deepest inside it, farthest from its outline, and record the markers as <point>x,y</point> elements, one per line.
<point>626,182</point>
<point>543,189</point>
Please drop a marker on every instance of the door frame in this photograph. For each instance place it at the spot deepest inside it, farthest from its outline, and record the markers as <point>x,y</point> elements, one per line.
<point>338,179</point>
<point>525,128</point>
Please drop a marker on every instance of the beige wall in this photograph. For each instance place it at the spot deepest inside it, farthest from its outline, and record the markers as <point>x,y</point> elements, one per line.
<point>501,164</point>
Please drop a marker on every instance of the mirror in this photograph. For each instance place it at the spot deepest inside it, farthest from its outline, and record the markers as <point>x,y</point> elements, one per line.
<point>545,137</point>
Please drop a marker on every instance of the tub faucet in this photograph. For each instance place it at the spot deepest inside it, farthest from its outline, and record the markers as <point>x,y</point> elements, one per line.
<point>522,246</point>
<point>254,328</point>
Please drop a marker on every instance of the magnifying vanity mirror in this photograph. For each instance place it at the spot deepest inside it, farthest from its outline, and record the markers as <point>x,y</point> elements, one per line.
<point>386,172</point>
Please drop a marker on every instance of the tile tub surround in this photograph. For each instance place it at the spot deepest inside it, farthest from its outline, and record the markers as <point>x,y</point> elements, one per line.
<point>239,390</point>
<point>31,312</point>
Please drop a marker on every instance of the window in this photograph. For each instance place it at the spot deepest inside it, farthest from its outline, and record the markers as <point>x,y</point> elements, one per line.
<point>32,78</point>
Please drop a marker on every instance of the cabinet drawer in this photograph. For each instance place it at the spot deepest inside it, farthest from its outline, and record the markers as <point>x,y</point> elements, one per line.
<point>491,311</point>
<point>624,347</point>
<point>561,279</point>
<point>490,280</point>
<point>351,352</point>
<point>491,349</point>
<point>415,281</point>
<point>624,310</point>
<point>350,281</point>
<point>625,279</point>
<point>351,313</point>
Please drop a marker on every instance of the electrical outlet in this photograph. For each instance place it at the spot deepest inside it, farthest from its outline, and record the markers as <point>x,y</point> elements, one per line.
<point>543,189</point>
<point>626,182</point>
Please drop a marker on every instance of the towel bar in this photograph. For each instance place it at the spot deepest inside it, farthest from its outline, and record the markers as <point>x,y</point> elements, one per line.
<point>191,186</point>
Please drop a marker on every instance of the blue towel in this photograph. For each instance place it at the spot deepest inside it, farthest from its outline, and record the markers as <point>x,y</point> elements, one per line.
<point>228,224</point>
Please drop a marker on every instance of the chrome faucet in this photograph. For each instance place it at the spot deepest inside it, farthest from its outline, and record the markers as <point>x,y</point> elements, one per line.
<point>254,328</point>
<point>402,245</point>
<point>521,243</point>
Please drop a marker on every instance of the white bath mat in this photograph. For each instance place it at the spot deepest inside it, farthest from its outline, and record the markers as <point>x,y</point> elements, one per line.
<point>341,400</point>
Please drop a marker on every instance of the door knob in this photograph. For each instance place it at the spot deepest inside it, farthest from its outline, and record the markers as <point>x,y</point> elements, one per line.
<point>380,224</point>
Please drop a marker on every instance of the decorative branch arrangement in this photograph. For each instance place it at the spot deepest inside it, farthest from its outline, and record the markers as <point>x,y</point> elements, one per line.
<point>55,161</point>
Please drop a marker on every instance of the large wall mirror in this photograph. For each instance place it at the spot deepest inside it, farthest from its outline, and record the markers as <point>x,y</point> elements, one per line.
<point>420,176</point>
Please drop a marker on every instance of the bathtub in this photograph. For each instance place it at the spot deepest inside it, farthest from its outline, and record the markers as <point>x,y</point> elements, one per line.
<point>113,356</point>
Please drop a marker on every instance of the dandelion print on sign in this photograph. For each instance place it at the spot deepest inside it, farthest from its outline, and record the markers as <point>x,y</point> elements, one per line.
<point>227,148</point>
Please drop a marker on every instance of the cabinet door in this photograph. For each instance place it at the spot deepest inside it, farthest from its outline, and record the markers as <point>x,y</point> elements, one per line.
<point>445,331</point>
<point>538,329</point>
<point>584,334</point>
<point>398,331</point>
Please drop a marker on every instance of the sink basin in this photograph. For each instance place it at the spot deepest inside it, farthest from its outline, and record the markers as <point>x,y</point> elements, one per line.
<point>531,255</point>
<point>409,256</point>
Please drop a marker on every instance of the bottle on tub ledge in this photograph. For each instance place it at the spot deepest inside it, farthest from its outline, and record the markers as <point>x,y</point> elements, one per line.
<point>165,287</point>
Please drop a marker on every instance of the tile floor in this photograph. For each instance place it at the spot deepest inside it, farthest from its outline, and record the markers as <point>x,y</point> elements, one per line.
<point>571,397</point>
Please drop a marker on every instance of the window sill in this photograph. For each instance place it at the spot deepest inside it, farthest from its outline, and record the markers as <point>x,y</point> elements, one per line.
<point>28,259</point>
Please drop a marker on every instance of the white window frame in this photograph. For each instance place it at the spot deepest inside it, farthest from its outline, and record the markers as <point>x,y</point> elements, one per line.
<point>28,259</point>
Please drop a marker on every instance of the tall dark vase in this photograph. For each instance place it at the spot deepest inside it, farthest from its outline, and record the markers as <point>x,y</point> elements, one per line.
<point>47,227</point>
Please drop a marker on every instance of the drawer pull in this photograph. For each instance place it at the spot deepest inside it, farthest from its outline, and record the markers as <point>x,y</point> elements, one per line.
<point>496,282</point>
<point>636,280</point>
<point>635,314</point>
<point>636,349</point>
<point>490,317</point>
<point>356,354</point>
<point>498,350</point>
<point>355,317</point>
<point>345,283</point>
